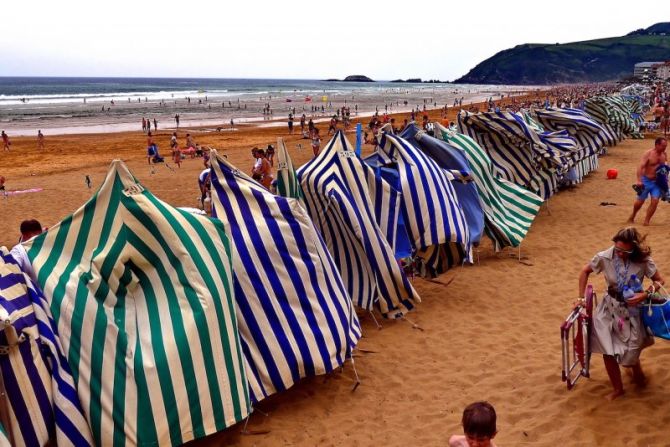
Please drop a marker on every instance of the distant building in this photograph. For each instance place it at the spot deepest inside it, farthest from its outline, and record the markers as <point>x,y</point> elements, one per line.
<point>646,69</point>
<point>663,71</point>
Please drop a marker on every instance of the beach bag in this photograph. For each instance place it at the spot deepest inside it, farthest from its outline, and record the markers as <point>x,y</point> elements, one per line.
<point>656,316</point>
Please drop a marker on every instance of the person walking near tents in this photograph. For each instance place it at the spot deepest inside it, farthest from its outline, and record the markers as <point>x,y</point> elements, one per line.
<point>262,171</point>
<point>40,140</point>
<point>618,331</point>
<point>5,141</point>
<point>316,141</point>
<point>646,179</point>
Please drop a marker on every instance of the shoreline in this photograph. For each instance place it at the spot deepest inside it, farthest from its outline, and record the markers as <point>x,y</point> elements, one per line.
<point>73,119</point>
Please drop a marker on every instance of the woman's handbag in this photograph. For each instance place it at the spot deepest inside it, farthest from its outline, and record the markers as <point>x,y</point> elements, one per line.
<point>656,315</point>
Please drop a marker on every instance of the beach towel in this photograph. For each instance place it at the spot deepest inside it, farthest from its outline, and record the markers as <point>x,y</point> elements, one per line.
<point>23,191</point>
<point>142,296</point>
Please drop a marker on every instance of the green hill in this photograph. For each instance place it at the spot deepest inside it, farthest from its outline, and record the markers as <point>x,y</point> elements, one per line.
<point>588,61</point>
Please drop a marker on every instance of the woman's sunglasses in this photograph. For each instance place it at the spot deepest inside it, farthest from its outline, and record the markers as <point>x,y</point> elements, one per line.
<point>621,250</point>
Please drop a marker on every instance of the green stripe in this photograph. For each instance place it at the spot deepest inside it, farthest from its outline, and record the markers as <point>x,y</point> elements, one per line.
<point>186,239</point>
<point>210,246</point>
<point>120,370</point>
<point>160,359</point>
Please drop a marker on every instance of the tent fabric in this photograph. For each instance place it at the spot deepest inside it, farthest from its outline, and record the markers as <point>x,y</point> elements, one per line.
<point>430,208</point>
<point>614,111</point>
<point>4,439</point>
<point>592,138</point>
<point>141,294</point>
<point>584,129</point>
<point>287,181</point>
<point>517,152</point>
<point>452,159</point>
<point>356,212</point>
<point>38,382</point>
<point>294,315</point>
<point>509,208</point>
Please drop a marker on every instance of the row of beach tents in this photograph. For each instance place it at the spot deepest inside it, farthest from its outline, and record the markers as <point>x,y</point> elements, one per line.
<point>149,325</point>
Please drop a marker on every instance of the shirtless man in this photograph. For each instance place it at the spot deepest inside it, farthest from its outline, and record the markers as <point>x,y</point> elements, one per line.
<point>646,179</point>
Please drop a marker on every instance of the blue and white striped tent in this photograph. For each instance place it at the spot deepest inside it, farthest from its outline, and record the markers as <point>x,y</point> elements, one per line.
<point>432,214</point>
<point>294,315</point>
<point>141,294</point>
<point>356,211</point>
<point>516,150</point>
<point>591,137</point>
<point>453,160</point>
<point>42,397</point>
<point>509,208</point>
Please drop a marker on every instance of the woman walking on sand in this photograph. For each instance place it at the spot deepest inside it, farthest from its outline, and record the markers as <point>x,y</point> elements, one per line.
<point>40,140</point>
<point>618,332</point>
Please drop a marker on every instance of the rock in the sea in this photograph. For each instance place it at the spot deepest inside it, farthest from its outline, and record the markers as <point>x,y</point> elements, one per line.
<point>357,78</point>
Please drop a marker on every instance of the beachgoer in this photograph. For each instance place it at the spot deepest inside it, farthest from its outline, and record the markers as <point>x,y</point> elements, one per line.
<point>290,124</point>
<point>176,155</point>
<point>29,229</point>
<point>173,140</point>
<point>270,154</point>
<point>189,142</point>
<point>155,124</point>
<point>479,426</point>
<point>205,185</point>
<point>316,141</point>
<point>262,171</point>
<point>144,124</point>
<point>40,140</point>
<point>2,186</point>
<point>176,120</point>
<point>152,151</point>
<point>646,179</point>
<point>5,140</point>
<point>618,332</point>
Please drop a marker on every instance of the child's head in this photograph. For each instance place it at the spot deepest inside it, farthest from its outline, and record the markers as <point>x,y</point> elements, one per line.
<point>479,424</point>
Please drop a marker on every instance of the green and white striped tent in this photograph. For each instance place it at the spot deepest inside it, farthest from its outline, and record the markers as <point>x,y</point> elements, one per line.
<point>287,181</point>
<point>509,208</point>
<point>142,297</point>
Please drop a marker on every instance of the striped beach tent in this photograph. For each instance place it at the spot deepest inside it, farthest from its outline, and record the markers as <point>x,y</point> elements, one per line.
<point>294,315</point>
<point>583,128</point>
<point>614,112</point>
<point>40,390</point>
<point>509,209</point>
<point>287,181</point>
<point>356,212</point>
<point>142,297</point>
<point>592,138</point>
<point>454,161</point>
<point>433,217</point>
<point>516,150</point>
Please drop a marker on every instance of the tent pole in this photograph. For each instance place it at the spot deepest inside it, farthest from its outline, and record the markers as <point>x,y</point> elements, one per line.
<point>379,326</point>
<point>358,380</point>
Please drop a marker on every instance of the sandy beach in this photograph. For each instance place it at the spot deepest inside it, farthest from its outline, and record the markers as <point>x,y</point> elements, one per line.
<point>491,334</point>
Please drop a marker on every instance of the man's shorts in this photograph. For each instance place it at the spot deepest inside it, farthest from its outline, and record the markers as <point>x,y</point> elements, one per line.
<point>650,188</point>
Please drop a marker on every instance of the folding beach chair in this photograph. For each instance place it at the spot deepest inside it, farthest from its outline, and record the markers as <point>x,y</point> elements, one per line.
<point>576,340</point>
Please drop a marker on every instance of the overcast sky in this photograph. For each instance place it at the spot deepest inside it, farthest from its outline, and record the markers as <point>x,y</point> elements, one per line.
<point>301,40</point>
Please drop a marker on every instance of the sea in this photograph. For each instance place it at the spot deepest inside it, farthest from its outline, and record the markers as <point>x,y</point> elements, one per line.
<point>79,104</point>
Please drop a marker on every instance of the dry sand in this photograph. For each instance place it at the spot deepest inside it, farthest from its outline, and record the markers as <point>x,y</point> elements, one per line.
<point>492,334</point>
